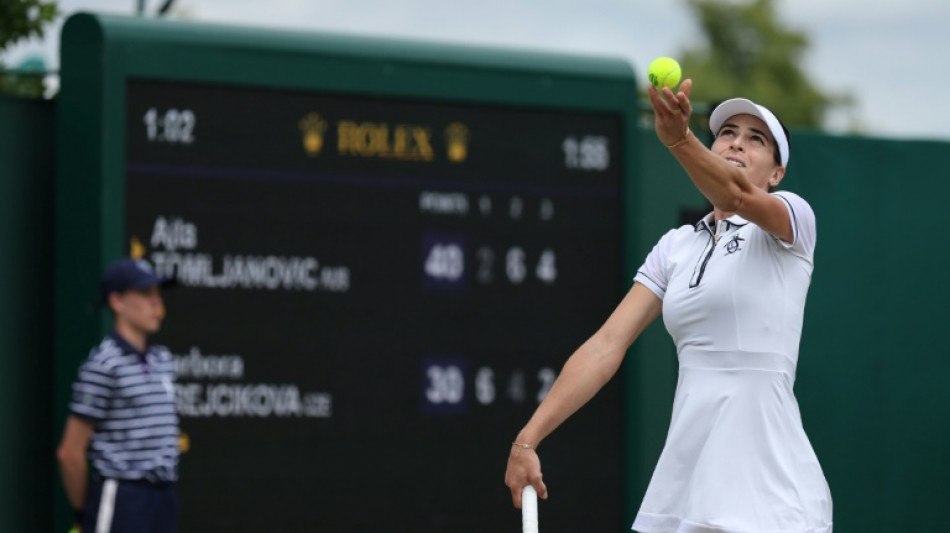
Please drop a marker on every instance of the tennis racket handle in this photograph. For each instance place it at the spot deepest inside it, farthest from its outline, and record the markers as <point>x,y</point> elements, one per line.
<point>529,510</point>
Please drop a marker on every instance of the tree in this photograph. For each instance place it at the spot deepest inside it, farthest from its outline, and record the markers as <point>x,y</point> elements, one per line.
<point>748,53</point>
<point>22,19</point>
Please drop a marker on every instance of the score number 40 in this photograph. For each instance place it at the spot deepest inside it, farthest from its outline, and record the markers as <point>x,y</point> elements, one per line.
<point>445,262</point>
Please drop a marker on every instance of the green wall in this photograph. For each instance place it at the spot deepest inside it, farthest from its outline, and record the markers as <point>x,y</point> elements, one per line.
<point>26,308</point>
<point>873,374</point>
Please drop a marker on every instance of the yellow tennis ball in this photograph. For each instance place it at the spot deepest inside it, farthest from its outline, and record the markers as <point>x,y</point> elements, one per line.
<point>664,72</point>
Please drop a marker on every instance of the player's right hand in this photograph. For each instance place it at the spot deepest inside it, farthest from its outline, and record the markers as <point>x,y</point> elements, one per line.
<point>524,468</point>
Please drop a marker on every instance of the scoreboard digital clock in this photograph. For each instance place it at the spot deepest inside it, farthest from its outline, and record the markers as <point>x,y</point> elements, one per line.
<point>383,261</point>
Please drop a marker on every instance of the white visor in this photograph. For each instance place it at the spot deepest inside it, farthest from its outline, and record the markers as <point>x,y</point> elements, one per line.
<point>741,106</point>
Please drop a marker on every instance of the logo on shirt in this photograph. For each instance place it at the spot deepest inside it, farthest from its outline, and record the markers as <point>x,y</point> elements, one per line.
<point>733,245</point>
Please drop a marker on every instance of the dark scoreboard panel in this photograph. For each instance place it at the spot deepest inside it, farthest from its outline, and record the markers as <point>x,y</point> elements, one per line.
<point>385,252</point>
<point>374,296</point>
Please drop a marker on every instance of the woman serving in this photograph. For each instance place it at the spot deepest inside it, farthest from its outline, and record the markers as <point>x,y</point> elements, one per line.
<point>731,289</point>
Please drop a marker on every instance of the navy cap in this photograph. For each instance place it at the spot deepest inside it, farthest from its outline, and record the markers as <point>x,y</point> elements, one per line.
<point>126,274</point>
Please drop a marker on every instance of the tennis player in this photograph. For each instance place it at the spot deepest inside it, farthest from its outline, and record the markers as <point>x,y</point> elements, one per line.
<point>731,289</point>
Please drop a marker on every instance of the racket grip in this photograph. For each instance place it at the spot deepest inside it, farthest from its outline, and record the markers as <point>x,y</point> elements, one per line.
<point>529,510</point>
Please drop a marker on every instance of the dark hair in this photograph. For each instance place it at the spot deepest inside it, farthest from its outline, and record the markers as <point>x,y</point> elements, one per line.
<point>776,154</point>
<point>788,141</point>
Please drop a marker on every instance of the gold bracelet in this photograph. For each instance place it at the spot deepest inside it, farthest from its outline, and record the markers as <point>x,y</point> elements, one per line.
<point>683,140</point>
<point>523,446</point>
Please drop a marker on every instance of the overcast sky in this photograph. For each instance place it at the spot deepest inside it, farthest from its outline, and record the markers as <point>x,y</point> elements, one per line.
<point>891,55</point>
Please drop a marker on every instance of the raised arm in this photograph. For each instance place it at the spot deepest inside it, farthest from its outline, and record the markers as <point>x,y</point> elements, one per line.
<point>725,178</point>
<point>588,369</point>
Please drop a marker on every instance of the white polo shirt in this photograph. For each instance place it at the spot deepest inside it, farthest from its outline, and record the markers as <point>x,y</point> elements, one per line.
<point>736,458</point>
<point>745,291</point>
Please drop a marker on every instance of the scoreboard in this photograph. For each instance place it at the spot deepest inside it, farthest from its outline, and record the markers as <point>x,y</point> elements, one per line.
<point>379,278</point>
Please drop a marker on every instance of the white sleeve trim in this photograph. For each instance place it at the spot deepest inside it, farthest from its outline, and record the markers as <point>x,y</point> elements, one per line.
<point>653,274</point>
<point>655,287</point>
<point>803,223</point>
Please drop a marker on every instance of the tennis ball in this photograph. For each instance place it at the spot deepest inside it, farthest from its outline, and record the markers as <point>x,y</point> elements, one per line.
<point>664,72</point>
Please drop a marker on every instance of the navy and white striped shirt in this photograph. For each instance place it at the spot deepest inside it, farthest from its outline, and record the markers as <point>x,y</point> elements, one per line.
<point>130,399</point>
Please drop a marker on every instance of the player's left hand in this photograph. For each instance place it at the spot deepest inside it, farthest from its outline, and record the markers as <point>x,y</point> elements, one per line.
<point>671,111</point>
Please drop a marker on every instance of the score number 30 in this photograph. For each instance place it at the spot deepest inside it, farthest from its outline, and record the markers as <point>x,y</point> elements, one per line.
<point>445,385</point>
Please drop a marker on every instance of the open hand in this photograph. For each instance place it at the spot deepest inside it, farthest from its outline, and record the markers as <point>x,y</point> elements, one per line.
<point>671,111</point>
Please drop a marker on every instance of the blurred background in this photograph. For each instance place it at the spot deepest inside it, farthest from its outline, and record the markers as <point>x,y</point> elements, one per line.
<point>457,271</point>
<point>851,66</point>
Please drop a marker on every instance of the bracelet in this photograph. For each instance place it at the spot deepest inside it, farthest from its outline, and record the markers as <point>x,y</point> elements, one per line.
<point>78,516</point>
<point>683,140</point>
<point>523,446</point>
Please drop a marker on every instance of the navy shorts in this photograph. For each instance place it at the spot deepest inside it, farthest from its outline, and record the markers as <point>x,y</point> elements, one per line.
<point>118,506</point>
